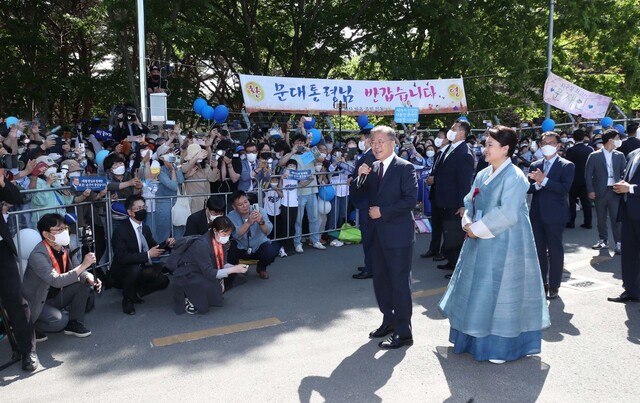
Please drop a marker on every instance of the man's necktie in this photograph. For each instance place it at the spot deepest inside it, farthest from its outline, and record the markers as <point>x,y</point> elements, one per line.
<point>144,246</point>
<point>380,173</point>
<point>546,166</point>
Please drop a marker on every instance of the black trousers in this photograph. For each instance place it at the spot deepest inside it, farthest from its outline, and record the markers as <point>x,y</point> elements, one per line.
<point>452,233</point>
<point>139,280</point>
<point>630,257</point>
<point>436,230</point>
<point>265,254</point>
<point>13,302</point>
<point>579,192</point>
<point>548,238</point>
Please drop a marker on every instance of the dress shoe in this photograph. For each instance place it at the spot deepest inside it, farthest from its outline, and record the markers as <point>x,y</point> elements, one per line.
<point>381,331</point>
<point>586,226</point>
<point>624,297</point>
<point>446,267</point>
<point>127,307</point>
<point>395,341</point>
<point>553,293</point>
<point>570,225</point>
<point>363,275</point>
<point>263,274</point>
<point>439,258</point>
<point>428,254</point>
<point>29,362</point>
<point>546,289</point>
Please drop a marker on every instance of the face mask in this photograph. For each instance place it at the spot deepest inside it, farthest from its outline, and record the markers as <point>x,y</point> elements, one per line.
<point>291,167</point>
<point>119,170</point>
<point>323,156</point>
<point>430,153</point>
<point>329,147</point>
<point>251,157</point>
<point>50,171</point>
<point>617,143</point>
<point>548,150</point>
<point>451,135</point>
<point>223,239</point>
<point>274,184</point>
<point>438,142</point>
<point>318,168</point>
<point>534,147</point>
<point>213,217</point>
<point>563,139</point>
<point>524,145</point>
<point>140,215</point>
<point>361,145</point>
<point>62,238</point>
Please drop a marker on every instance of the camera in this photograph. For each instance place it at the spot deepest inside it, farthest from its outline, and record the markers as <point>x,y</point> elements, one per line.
<point>266,156</point>
<point>8,161</point>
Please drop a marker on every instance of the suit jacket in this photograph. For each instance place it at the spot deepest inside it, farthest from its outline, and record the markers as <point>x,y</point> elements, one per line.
<point>360,200</point>
<point>40,275</point>
<point>596,174</point>
<point>630,203</point>
<point>397,197</point>
<point>197,223</point>
<point>10,194</point>
<point>453,177</point>
<point>629,145</point>
<point>126,250</point>
<point>579,154</point>
<point>550,204</point>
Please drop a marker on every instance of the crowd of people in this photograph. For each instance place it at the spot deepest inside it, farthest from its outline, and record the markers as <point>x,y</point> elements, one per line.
<point>262,198</point>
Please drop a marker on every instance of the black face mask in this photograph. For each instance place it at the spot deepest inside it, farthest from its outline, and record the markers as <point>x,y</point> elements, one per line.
<point>140,215</point>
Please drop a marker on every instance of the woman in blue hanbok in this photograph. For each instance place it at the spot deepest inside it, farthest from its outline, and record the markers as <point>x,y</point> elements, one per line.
<point>495,301</point>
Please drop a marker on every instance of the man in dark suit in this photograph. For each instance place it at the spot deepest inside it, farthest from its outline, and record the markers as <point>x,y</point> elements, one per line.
<point>133,251</point>
<point>604,169</point>
<point>361,202</point>
<point>198,222</point>
<point>435,246</point>
<point>632,142</point>
<point>629,214</point>
<point>453,181</point>
<point>392,191</point>
<point>10,285</point>
<point>551,179</point>
<point>578,154</point>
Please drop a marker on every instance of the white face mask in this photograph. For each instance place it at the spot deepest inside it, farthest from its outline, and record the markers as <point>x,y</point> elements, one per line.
<point>323,156</point>
<point>50,171</point>
<point>451,135</point>
<point>617,143</point>
<point>223,239</point>
<point>291,167</point>
<point>119,170</point>
<point>213,217</point>
<point>549,150</point>
<point>361,145</point>
<point>274,184</point>
<point>251,157</point>
<point>62,238</point>
<point>438,142</point>
<point>318,168</point>
<point>430,153</point>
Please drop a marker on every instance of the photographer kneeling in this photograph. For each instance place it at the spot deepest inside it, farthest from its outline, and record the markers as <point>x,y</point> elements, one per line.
<point>54,279</point>
<point>203,274</point>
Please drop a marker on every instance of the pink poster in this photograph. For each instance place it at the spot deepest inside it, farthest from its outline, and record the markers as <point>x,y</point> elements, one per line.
<point>570,98</point>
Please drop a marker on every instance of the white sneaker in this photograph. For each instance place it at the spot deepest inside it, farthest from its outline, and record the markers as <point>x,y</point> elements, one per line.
<point>320,246</point>
<point>337,243</point>
<point>299,249</point>
<point>282,252</point>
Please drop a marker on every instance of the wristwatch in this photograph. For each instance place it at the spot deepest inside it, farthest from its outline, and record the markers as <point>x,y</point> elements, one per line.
<point>261,223</point>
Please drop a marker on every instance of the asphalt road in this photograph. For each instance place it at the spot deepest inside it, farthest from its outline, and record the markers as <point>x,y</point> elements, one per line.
<point>302,336</point>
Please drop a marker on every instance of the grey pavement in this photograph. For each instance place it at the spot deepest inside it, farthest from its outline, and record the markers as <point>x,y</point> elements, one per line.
<point>320,351</point>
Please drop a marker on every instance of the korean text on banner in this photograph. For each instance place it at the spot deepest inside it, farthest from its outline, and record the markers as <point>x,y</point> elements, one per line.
<point>313,96</point>
<point>570,98</point>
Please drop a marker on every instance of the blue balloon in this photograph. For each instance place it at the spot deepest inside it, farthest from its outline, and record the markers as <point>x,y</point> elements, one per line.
<point>208,112</point>
<point>221,114</point>
<point>548,125</point>
<point>352,216</point>
<point>619,128</point>
<point>368,126</point>
<point>326,193</point>
<point>198,105</point>
<point>606,122</point>
<point>101,155</point>
<point>463,118</point>
<point>310,124</point>
<point>11,120</point>
<point>363,120</point>
<point>316,136</point>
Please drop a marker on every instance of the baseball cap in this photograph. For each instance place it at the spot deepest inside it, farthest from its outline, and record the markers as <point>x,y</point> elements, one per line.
<point>46,159</point>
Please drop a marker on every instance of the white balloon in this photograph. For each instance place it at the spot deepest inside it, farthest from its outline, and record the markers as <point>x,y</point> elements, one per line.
<point>324,207</point>
<point>27,238</point>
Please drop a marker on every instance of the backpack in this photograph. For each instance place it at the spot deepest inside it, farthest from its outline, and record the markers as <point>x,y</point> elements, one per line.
<point>181,246</point>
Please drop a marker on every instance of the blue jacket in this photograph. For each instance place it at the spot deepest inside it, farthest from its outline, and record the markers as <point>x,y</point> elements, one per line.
<point>453,177</point>
<point>551,203</point>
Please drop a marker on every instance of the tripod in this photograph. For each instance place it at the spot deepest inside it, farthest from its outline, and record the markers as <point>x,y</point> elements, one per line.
<point>15,357</point>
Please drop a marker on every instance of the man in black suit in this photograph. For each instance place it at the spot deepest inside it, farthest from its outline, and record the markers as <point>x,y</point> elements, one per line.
<point>632,142</point>
<point>435,246</point>
<point>392,191</point>
<point>10,285</point>
<point>551,179</point>
<point>133,251</point>
<point>453,181</point>
<point>198,222</point>
<point>578,154</point>
<point>361,202</point>
<point>629,214</point>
